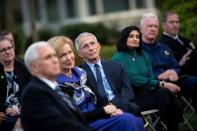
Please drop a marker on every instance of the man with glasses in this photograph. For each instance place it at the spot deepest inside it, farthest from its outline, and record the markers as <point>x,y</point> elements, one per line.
<point>13,77</point>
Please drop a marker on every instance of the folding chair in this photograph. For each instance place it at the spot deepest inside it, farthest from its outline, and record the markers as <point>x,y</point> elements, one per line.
<point>152,119</point>
<point>187,108</point>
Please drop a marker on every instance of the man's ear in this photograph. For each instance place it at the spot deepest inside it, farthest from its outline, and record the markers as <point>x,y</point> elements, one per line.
<point>33,68</point>
<point>79,54</point>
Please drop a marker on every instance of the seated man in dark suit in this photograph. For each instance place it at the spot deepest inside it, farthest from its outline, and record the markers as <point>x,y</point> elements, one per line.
<point>44,108</point>
<point>183,49</point>
<point>107,79</point>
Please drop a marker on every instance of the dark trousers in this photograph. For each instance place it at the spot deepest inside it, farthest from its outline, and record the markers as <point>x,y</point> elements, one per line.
<point>8,124</point>
<point>188,85</point>
<point>162,99</point>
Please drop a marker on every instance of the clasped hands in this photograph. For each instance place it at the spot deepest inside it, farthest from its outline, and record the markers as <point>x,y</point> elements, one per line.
<point>171,76</point>
<point>13,110</point>
<point>112,110</point>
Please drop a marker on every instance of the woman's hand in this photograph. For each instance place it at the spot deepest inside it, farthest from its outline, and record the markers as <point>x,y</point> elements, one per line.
<point>13,111</point>
<point>170,86</point>
<point>2,117</point>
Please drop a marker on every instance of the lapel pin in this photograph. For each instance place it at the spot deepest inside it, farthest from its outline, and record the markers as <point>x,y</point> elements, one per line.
<point>166,52</point>
<point>2,77</point>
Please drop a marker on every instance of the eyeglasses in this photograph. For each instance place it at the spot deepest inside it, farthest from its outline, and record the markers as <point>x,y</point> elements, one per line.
<point>6,49</point>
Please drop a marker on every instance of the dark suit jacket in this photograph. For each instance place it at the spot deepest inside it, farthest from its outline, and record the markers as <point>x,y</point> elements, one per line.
<point>179,50</point>
<point>119,83</point>
<point>22,77</point>
<point>44,110</point>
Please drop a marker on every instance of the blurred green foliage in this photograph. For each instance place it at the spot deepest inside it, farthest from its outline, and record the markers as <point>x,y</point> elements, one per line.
<point>107,51</point>
<point>104,35</point>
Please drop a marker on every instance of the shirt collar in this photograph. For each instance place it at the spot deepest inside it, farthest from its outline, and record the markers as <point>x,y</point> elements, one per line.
<point>91,65</point>
<point>49,83</point>
<point>171,36</point>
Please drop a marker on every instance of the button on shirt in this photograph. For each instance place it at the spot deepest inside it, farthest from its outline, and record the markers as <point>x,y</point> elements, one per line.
<point>108,90</point>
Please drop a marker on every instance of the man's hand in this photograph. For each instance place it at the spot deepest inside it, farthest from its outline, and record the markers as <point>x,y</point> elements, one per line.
<point>112,110</point>
<point>168,75</point>
<point>185,57</point>
<point>117,112</point>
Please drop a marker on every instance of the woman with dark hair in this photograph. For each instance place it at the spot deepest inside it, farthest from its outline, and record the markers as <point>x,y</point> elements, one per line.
<point>72,80</point>
<point>150,93</point>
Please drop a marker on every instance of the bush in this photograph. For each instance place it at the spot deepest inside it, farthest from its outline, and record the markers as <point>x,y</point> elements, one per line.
<point>103,34</point>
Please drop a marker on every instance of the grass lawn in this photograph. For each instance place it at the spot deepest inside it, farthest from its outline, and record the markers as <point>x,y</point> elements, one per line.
<point>193,122</point>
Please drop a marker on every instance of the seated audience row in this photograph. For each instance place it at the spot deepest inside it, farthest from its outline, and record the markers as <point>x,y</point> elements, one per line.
<point>98,95</point>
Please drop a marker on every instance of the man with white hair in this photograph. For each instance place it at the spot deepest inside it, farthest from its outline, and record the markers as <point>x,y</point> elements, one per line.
<point>165,67</point>
<point>43,108</point>
<point>107,79</point>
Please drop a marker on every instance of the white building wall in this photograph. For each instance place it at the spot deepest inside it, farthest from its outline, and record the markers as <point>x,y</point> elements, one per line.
<point>115,19</point>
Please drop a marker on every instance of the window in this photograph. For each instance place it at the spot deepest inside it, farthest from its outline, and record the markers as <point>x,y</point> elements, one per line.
<point>70,8</point>
<point>37,10</point>
<point>141,3</point>
<point>115,5</point>
<point>92,7</point>
<point>52,9</point>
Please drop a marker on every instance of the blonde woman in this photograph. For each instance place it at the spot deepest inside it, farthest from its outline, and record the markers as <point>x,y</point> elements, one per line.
<point>72,79</point>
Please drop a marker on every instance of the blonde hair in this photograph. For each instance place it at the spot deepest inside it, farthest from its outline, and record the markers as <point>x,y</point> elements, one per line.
<point>57,42</point>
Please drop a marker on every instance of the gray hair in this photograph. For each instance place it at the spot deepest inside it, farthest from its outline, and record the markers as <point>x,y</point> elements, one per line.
<point>77,40</point>
<point>31,53</point>
<point>147,15</point>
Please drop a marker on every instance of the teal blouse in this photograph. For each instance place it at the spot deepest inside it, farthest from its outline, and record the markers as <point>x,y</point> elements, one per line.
<point>138,69</point>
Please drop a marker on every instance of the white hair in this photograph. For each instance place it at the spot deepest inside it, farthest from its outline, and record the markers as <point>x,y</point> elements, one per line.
<point>77,40</point>
<point>31,53</point>
<point>147,15</point>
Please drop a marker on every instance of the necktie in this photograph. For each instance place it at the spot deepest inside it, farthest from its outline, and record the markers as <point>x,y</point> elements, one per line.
<point>99,79</point>
<point>65,97</point>
<point>179,41</point>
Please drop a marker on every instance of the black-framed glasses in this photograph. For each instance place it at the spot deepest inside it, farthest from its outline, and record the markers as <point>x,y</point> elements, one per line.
<point>6,49</point>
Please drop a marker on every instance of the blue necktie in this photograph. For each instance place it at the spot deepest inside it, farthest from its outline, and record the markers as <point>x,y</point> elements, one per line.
<point>99,79</point>
<point>65,97</point>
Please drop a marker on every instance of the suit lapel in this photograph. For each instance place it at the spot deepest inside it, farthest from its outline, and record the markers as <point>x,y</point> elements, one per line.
<point>92,82</point>
<point>173,43</point>
<point>56,96</point>
<point>91,78</point>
